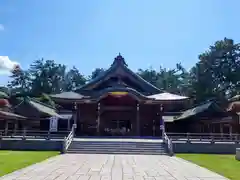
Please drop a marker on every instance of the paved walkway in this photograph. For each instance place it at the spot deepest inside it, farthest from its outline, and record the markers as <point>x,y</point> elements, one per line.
<point>114,167</point>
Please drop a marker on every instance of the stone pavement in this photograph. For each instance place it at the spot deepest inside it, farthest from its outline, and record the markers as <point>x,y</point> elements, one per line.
<point>114,167</point>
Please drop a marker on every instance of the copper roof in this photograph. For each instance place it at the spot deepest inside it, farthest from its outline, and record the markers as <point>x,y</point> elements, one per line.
<point>235,98</point>
<point>44,108</point>
<point>67,95</point>
<point>3,95</point>
<point>120,64</point>
<point>9,115</point>
<point>234,106</point>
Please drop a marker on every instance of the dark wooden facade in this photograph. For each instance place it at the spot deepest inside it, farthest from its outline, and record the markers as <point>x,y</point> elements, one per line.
<point>119,102</point>
<point>208,117</point>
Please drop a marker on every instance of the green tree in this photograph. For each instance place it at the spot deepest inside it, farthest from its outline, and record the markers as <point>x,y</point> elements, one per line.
<point>73,79</point>
<point>20,81</point>
<point>217,74</point>
<point>47,77</point>
<point>149,75</point>
<point>172,80</point>
<point>96,73</point>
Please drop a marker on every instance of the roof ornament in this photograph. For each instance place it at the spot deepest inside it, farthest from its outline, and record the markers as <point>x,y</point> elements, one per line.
<point>119,60</point>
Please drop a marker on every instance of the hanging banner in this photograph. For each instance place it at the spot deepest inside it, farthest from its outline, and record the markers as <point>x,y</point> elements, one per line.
<point>53,126</point>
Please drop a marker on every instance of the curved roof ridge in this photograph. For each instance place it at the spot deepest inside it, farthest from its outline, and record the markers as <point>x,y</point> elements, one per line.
<point>142,79</point>
<point>113,67</point>
<point>127,89</point>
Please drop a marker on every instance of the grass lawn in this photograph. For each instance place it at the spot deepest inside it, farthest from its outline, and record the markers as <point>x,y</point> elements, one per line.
<point>13,160</point>
<point>225,165</point>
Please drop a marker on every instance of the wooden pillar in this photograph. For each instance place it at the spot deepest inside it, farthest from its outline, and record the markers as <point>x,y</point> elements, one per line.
<point>75,118</point>
<point>79,119</point>
<point>162,123</point>
<point>138,121</point>
<point>15,126</point>
<point>230,129</point>
<point>98,118</point>
<point>68,125</point>
<point>221,129</point>
<point>75,114</point>
<point>154,128</point>
<point>6,127</point>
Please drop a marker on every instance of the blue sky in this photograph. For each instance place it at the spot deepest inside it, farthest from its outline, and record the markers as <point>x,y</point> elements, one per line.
<point>89,34</point>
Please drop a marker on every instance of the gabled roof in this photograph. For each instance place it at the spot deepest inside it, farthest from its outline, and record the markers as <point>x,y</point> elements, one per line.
<point>3,95</point>
<point>167,96</point>
<point>235,98</point>
<point>67,95</point>
<point>10,115</point>
<point>195,110</point>
<point>199,109</point>
<point>120,65</point>
<point>132,92</point>
<point>43,108</point>
<point>40,107</point>
<point>234,106</point>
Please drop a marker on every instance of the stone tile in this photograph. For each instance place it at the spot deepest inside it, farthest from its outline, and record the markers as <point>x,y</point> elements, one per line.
<point>113,167</point>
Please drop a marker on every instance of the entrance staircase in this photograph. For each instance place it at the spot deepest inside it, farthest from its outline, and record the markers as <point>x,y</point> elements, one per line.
<point>117,146</point>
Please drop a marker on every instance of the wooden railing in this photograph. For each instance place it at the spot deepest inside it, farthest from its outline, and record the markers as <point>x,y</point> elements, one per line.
<point>169,144</point>
<point>33,134</point>
<point>67,140</point>
<point>204,137</point>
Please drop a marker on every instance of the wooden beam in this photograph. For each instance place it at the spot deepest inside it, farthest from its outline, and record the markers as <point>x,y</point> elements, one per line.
<point>116,108</point>
<point>6,127</point>
<point>138,121</point>
<point>98,118</point>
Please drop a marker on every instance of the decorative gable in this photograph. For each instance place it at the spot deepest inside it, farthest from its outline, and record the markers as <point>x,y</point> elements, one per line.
<point>120,74</point>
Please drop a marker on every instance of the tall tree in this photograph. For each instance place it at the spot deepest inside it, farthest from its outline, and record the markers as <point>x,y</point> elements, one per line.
<point>47,76</point>
<point>73,79</point>
<point>96,73</point>
<point>20,81</point>
<point>217,74</point>
<point>149,75</point>
<point>172,80</point>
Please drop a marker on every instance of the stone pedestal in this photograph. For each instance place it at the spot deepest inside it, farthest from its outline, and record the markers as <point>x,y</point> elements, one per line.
<point>237,154</point>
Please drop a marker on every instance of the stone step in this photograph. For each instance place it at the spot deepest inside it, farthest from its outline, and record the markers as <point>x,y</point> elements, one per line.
<point>111,147</point>
<point>135,144</point>
<point>100,151</point>
<point>119,145</point>
<point>116,147</point>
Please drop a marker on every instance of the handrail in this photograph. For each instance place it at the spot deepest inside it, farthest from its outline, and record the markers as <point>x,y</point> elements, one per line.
<point>32,134</point>
<point>206,137</point>
<point>68,140</point>
<point>169,144</point>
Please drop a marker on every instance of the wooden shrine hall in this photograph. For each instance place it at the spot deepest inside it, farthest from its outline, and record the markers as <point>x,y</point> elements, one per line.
<point>119,103</point>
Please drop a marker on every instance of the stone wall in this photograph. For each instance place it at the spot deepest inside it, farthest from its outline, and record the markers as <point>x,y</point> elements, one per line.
<point>38,145</point>
<point>208,148</point>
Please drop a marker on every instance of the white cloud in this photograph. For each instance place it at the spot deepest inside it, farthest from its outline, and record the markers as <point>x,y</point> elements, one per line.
<point>1,27</point>
<point>6,65</point>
